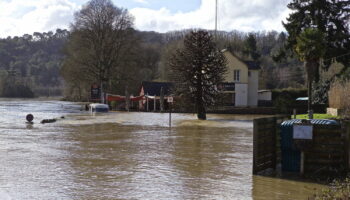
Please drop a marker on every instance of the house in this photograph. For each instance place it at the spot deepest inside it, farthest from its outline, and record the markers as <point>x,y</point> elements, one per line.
<point>241,81</point>
<point>152,92</point>
<point>153,88</point>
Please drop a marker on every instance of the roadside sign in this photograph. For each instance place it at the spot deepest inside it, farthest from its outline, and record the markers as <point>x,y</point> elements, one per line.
<point>302,132</point>
<point>226,86</point>
<point>170,99</point>
<point>95,92</point>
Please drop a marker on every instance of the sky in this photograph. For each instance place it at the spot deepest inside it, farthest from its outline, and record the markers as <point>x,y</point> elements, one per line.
<point>18,17</point>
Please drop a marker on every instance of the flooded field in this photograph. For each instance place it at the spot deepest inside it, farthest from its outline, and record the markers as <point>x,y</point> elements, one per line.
<point>122,155</point>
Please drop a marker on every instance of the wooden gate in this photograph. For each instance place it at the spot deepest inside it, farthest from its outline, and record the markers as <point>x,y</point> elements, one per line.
<point>266,143</point>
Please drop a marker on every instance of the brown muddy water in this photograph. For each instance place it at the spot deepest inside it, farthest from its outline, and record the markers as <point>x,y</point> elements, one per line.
<point>122,155</point>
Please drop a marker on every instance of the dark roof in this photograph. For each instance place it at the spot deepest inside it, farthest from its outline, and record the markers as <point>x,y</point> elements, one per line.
<point>252,65</point>
<point>153,88</point>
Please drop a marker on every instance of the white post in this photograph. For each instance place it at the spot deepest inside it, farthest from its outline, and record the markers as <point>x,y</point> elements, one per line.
<point>101,90</point>
<point>170,115</point>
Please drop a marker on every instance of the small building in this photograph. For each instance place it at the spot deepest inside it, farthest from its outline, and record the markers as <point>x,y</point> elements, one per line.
<point>265,98</point>
<point>152,92</point>
<point>242,79</point>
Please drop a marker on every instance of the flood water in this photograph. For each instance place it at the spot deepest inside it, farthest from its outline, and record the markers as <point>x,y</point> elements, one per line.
<point>121,155</point>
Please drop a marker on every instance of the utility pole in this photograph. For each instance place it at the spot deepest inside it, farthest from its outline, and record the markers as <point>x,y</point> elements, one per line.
<point>216,17</point>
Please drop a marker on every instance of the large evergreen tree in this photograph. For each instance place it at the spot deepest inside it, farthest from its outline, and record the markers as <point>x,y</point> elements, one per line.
<point>331,17</point>
<point>197,68</point>
<point>250,48</point>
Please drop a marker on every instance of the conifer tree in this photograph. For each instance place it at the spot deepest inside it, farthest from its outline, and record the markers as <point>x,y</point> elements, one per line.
<point>331,17</point>
<point>197,68</point>
<point>250,47</point>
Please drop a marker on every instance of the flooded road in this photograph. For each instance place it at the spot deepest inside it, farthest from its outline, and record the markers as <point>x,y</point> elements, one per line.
<point>122,155</point>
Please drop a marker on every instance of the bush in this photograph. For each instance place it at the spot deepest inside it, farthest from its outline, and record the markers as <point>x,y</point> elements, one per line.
<point>320,92</point>
<point>284,104</point>
<point>285,99</point>
<point>339,96</point>
<point>290,92</point>
<point>337,190</point>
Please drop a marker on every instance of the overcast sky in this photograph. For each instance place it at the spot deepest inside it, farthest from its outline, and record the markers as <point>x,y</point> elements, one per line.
<point>18,17</point>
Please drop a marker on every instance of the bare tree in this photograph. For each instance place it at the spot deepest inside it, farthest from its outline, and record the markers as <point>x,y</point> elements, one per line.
<point>101,37</point>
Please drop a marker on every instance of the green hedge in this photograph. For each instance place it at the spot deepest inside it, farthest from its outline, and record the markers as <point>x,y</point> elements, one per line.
<point>284,100</point>
<point>290,92</point>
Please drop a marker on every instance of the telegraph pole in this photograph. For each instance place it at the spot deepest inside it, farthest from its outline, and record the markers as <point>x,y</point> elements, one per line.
<point>216,17</point>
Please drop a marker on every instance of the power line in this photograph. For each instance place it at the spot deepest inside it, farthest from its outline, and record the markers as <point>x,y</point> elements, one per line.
<point>336,57</point>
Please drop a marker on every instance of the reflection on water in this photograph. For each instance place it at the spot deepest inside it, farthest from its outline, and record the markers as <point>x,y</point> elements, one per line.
<point>130,156</point>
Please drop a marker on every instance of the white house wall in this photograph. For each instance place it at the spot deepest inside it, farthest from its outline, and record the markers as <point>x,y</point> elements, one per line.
<point>253,85</point>
<point>241,92</point>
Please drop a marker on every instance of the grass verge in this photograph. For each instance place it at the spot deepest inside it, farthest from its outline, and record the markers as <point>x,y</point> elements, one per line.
<point>317,116</point>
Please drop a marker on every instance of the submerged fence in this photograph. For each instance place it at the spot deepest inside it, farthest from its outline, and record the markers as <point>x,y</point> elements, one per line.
<point>328,152</point>
<point>266,145</point>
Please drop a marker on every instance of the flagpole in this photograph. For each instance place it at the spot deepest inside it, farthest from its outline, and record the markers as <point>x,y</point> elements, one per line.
<point>216,16</point>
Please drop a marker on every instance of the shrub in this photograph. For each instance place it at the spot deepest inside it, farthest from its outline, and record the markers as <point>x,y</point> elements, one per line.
<point>337,190</point>
<point>339,96</point>
<point>285,99</point>
<point>284,104</point>
<point>289,92</point>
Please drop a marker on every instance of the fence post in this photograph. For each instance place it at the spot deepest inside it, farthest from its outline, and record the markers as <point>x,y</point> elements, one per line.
<point>346,130</point>
<point>274,143</point>
<point>255,146</point>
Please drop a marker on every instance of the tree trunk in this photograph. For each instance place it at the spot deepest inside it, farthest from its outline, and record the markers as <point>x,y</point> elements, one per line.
<point>310,66</point>
<point>201,113</point>
<point>309,103</point>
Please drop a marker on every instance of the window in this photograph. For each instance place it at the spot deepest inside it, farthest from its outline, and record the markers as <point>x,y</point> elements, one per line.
<point>236,75</point>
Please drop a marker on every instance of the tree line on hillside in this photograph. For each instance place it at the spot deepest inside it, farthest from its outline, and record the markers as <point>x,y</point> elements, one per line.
<point>31,63</point>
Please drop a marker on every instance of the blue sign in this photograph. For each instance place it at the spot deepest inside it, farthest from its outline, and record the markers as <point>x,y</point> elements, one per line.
<point>226,87</point>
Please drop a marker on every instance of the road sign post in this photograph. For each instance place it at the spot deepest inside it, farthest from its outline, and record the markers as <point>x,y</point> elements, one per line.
<point>170,101</point>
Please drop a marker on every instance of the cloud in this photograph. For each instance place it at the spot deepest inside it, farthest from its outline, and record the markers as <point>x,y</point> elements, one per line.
<point>141,1</point>
<point>19,17</point>
<point>243,15</point>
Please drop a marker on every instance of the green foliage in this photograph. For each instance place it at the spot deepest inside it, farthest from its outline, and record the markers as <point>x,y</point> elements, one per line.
<point>33,59</point>
<point>291,92</point>
<point>310,44</point>
<point>316,116</point>
<point>329,17</point>
<point>285,99</point>
<point>197,68</point>
<point>250,47</point>
<point>284,103</point>
<point>339,189</point>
